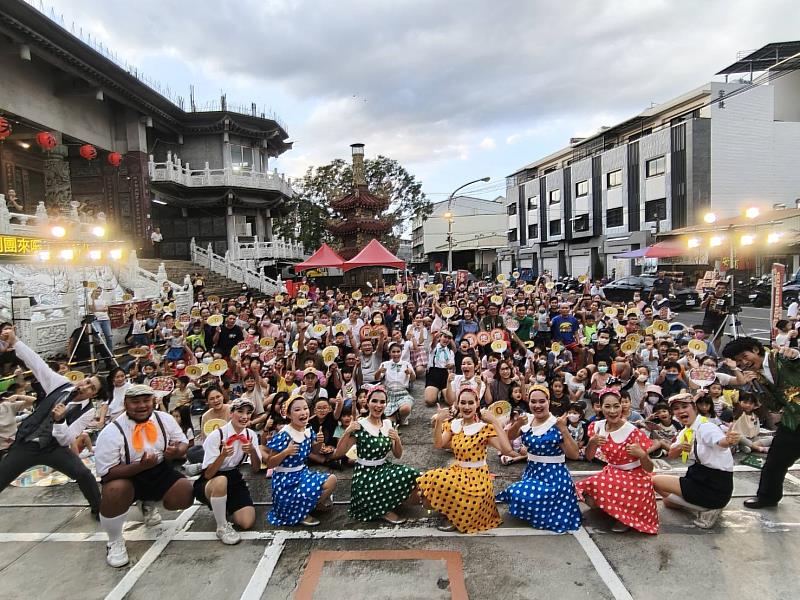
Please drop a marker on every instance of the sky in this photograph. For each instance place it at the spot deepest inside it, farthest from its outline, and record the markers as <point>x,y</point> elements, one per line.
<point>454,90</point>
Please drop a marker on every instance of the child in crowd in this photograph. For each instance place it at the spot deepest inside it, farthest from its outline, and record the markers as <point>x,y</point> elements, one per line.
<point>663,430</point>
<point>748,426</point>
<point>577,425</point>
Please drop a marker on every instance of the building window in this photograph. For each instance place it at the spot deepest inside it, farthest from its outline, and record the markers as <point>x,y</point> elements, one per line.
<point>582,188</point>
<point>614,178</point>
<point>555,196</point>
<point>581,223</point>
<point>512,209</point>
<point>533,202</point>
<point>512,235</point>
<point>241,157</point>
<point>655,166</point>
<point>655,210</point>
<point>555,227</point>
<point>615,217</point>
<point>533,232</point>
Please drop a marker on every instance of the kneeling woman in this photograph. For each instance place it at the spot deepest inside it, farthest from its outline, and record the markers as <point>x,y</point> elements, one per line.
<point>624,488</point>
<point>296,489</point>
<point>545,496</point>
<point>220,485</point>
<point>708,484</point>
<point>463,492</point>
<point>378,487</point>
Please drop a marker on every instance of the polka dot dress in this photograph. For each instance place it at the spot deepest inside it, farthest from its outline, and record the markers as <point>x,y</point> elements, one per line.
<point>464,495</point>
<point>628,496</point>
<point>295,494</point>
<point>545,496</point>
<point>379,489</point>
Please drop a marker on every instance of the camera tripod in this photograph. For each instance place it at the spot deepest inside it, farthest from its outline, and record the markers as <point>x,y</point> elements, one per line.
<point>732,319</point>
<point>87,328</point>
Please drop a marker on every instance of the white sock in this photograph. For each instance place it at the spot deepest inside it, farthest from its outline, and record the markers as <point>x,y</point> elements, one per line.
<point>113,526</point>
<point>218,508</point>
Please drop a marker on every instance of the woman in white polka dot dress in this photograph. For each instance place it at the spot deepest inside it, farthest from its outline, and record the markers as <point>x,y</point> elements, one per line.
<point>545,496</point>
<point>296,489</point>
<point>624,488</point>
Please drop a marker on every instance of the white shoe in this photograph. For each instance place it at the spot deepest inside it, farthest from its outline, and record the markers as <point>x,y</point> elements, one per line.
<point>192,469</point>
<point>707,518</point>
<point>228,535</point>
<point>117,554</point>
<point>150,514</point>
<point>310,521</point>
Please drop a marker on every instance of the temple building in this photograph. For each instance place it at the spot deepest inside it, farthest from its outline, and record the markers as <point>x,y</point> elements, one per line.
<point>360,212</point>
<point>198,172</point>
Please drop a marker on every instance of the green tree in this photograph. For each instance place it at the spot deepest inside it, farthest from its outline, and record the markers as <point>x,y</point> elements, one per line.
<point>385,177</point>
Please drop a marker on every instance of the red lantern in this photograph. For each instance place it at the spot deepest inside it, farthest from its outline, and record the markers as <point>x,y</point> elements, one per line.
<point>46,140</point>
<point>5,128</point>
<point>88,152</point>
<point>114,159</point>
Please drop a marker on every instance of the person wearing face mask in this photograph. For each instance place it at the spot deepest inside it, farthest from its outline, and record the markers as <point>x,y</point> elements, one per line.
<point>602,350</point>
<point>637,386</point>
<point>670,380</point>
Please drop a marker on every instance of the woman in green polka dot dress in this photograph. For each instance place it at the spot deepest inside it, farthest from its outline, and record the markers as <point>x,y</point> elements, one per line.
<point>378,486</point>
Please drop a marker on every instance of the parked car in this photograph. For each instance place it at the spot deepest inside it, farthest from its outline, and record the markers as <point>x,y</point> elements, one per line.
<point>761,294</point>
<point>622,290</point>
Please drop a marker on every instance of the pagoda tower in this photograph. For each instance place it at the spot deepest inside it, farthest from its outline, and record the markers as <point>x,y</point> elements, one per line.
<point>360,212</point>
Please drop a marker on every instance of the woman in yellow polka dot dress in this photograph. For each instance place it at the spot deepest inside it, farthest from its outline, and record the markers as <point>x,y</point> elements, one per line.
<point>463,492</point>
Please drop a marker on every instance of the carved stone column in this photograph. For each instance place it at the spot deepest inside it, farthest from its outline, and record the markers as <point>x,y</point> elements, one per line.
<point>57,184</point>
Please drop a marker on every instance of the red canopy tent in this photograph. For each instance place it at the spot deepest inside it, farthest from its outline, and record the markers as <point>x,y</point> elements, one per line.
<point>659,250</point>
<point>324,257</point>
<point>374,255</point>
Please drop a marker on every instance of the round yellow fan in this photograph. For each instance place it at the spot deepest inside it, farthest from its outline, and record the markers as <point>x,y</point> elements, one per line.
<point>75,376</point>
<point>218,368</point>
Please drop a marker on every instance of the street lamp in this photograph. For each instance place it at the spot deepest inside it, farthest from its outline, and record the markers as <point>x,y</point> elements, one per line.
<point>449,216</point>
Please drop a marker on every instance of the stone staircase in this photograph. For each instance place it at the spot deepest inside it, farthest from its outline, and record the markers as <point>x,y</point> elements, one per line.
<point>215,284</point>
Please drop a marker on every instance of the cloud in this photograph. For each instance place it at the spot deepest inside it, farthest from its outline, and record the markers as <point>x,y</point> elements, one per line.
<point>420,81</point>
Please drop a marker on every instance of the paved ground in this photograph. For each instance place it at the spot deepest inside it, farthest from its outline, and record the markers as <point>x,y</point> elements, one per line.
<point>51,548</point>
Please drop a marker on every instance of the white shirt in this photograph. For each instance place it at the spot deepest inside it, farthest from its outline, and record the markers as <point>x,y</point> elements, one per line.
<point>66,434</point>
<point>395,373</point>
<point>117,405</point>
<point>476,383</point>
<point>441,357</point>
<point>711,454</point>
<point>211,447</point>
<point>109,451</point>
<point>156,237</point>
<point>793,310</point>
<point>369,364</point>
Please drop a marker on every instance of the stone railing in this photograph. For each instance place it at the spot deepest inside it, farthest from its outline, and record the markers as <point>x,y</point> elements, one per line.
<point>13,223</point>
<point>234,269</point>
<point>180,173</point>
<point>270,250</point>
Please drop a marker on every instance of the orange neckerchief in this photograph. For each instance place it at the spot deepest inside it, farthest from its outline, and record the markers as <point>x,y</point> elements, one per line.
<point>149,430</point>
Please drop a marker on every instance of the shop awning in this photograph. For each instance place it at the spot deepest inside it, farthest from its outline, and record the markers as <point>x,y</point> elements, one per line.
<point>374,254</point>
<point>324,257</point>
<point>659,250</point>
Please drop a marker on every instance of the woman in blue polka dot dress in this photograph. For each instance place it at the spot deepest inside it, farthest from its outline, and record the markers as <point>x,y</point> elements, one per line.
<point>296,489</point>
<point>545,496</point>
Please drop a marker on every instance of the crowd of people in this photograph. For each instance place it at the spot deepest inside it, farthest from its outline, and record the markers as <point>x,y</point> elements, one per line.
<point>303,385</point>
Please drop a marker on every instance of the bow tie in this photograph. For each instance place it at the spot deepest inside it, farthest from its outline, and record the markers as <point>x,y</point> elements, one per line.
<point>240,437</point>
<point>147,430</point>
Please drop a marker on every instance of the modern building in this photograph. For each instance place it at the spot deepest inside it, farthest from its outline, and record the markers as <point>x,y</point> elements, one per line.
<point>478,230</point>
<point>195,171</point>
<point>720,147</point>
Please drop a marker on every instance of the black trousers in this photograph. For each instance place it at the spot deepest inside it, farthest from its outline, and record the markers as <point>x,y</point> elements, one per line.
<point>23,456</point>
<point>783,452</point>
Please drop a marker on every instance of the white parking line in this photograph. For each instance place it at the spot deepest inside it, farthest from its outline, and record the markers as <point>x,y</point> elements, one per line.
<point>126,584</point>
<point>601,565</point>
<point>263,572</point>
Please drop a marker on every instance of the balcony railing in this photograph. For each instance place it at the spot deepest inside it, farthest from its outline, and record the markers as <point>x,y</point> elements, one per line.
<point>174,171</point>
<point>270,250</point>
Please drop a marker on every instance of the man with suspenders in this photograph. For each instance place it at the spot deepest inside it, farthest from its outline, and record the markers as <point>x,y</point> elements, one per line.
<point>133,456</point>
<point>44,437</point>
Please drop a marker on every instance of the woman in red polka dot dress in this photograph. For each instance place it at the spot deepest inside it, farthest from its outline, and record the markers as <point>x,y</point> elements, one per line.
<point>624,488</point>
